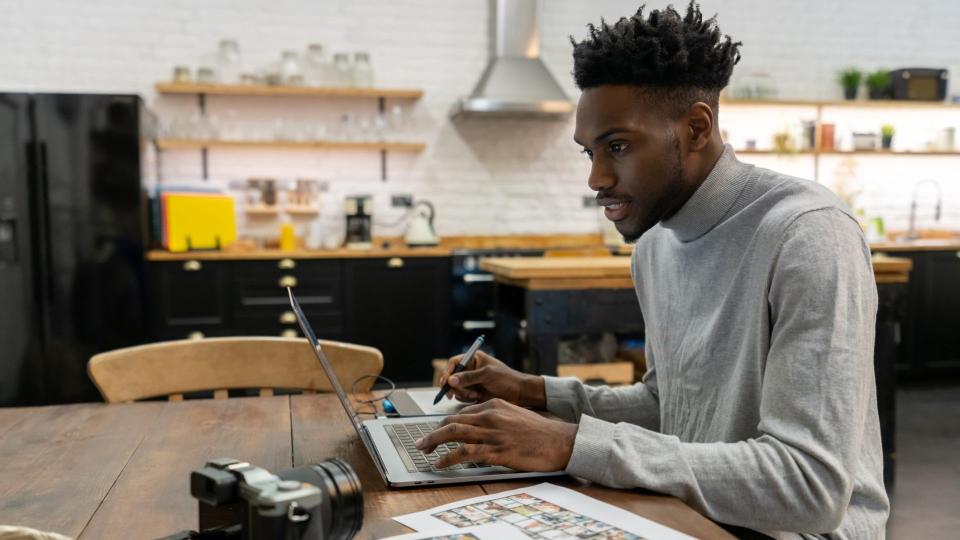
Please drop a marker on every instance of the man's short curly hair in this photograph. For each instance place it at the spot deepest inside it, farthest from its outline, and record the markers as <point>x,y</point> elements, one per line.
<point>681,58</point>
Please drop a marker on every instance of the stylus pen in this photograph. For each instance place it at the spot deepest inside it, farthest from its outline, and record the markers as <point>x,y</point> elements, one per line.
<point>460,367</point>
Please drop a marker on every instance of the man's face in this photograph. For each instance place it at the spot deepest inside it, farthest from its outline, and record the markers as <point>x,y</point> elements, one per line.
<point>637,164</point>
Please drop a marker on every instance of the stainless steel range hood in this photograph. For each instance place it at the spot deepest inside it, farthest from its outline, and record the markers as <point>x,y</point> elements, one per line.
<point>515,82</point>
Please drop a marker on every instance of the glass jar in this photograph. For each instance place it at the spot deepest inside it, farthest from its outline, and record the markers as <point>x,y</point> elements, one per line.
<point>206,75</point>
<point>291,71</point>
<point>362,70</point>
<point>315,65</point>
<point>343,71</point>
<point>229,66</point>
<point>181,75</point>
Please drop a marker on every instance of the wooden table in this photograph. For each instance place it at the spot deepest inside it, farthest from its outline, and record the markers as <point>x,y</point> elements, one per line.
<point>112,471</point>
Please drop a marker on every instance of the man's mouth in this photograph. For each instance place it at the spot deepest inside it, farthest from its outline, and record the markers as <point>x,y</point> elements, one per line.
<point>615,209</point>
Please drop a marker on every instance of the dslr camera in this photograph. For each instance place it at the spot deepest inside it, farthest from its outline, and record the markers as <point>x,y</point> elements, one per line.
<point>238,501</point>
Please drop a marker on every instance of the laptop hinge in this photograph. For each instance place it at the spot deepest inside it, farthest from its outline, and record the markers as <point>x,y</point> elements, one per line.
<point>374,454</point>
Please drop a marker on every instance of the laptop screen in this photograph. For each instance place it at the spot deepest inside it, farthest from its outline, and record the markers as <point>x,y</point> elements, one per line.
<point>327,368</point>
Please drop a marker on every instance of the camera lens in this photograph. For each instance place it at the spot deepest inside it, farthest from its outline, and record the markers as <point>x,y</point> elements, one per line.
<point>343,497</point>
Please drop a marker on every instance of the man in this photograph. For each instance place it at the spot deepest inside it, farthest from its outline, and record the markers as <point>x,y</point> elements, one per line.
<point>758,407</point>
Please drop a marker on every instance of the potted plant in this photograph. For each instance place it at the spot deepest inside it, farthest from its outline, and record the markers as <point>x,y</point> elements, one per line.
<point>878,84</point>
<point>886,136</point>
<point>850,80</point>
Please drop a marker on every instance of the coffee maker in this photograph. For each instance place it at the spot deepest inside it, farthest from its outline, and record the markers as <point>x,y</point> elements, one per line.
<point>359,211</point>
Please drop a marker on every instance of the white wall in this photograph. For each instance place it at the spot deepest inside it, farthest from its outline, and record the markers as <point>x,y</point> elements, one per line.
<point>485,177</point>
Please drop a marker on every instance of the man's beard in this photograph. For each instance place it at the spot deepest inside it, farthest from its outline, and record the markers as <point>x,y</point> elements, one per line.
<point>667,204</point>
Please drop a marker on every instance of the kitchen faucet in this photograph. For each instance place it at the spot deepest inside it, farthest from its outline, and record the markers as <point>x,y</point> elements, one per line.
<point>912,232</point>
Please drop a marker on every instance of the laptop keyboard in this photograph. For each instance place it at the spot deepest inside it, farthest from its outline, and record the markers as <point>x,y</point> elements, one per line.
<point>404,437</point>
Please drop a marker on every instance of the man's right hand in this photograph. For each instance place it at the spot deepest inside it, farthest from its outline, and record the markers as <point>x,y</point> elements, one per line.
<point>486,378</point>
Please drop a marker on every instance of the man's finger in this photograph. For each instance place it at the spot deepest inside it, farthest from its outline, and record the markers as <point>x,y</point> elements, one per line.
<point>477,408</point>
<point>459,432</point>
<point>451,365</point>
<point>469,378</point>
<point>470,419</point>
<point>468,452</point>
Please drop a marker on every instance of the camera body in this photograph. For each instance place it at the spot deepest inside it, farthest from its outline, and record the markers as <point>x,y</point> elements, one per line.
<point>233,492</point>
<point>239,501</point>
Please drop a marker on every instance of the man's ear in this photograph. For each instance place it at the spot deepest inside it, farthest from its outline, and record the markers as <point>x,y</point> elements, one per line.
<point>700,122</point>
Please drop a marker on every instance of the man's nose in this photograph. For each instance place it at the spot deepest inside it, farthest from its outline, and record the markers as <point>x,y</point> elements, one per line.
<point>601,177</point>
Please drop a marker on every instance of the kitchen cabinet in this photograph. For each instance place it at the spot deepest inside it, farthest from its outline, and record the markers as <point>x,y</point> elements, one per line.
<point>202,298</point>
<point>931,342</point>
<point>189,299</point>
<point>402,307</point>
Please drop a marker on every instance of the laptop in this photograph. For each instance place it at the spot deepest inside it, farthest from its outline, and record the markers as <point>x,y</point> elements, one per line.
<point>390,441</point>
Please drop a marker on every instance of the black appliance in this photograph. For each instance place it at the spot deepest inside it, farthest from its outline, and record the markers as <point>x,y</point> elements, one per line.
<point>473,296</point>
<point>72,240</point>
<point>919,84</point>
<point>359,210</point>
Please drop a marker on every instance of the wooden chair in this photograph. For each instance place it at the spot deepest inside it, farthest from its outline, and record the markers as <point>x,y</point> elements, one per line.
<point>599,251</point>
<point>174,367</point>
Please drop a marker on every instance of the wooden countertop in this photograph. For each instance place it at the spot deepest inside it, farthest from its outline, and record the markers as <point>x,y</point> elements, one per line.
<point>931,244</point>
<point>92,470</point>
<point>924,244</point>
<point>274,254</point>
<point>614,272</point>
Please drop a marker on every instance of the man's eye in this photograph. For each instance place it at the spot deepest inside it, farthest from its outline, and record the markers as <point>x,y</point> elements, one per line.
<point>588,153</point>
<point>617,148</point>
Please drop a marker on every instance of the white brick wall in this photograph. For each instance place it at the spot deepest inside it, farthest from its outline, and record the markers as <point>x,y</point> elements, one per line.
<point>485,177</point>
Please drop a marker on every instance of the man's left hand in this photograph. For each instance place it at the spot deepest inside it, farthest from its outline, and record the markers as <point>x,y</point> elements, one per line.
<point>499,433</point>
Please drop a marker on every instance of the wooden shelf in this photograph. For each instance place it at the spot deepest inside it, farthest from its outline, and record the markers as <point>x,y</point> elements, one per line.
<point>858,103</point>
<point>303,211</point>
<point>255,90</point>
<point>878,153</point>
<point>179,144</point>
<point>261,211</point>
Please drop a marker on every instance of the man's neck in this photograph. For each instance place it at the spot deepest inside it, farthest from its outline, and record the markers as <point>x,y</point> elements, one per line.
<point>705,163</point>
<point>709,156</point>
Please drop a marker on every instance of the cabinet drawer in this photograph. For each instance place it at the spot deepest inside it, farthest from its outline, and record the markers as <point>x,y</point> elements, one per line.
<point>261,286</point>
<point>327,324</point>
<point>188,294</point>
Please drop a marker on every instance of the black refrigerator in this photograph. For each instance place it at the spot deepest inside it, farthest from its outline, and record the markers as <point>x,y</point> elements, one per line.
<point>72,239</point>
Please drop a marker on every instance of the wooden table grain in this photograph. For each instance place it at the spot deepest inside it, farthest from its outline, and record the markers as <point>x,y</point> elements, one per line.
<point>112,471</point>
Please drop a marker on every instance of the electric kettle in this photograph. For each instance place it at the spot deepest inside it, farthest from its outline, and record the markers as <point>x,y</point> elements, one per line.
<point>420,229</point>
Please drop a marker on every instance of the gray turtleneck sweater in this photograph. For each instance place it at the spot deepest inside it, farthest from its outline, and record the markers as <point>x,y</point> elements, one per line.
<point>759,404</point>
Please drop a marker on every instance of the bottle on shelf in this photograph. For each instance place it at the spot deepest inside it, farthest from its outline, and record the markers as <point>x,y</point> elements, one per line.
<point>315,66</point>
<point>342,70</point>
<point>229,65</point>
<point>291,72</point>
<point>362,70</point>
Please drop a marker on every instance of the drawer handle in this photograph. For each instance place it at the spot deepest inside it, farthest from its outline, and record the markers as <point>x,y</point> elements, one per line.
<point>395,262</point>
<point>287,264</point>
<point>477,278</point>
<point>288,317</point>
<point>478,325</point>
<point>289,333</point>
<point>192,266</point>
<point>195,335</point>
<point>288,281</point>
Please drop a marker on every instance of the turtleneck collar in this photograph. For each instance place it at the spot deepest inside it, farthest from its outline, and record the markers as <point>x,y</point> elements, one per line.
<point>712,201</point>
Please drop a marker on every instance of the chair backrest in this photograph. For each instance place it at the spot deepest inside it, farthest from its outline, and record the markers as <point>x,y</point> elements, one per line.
<point>598,251</point>
<point>173,368</point>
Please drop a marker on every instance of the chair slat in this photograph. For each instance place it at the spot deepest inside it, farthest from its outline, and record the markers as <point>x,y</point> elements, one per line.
<point>175,368</point>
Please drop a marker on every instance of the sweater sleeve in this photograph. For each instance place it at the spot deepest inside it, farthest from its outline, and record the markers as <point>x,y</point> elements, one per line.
<point>816,399</point>
<point>639,404</point>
